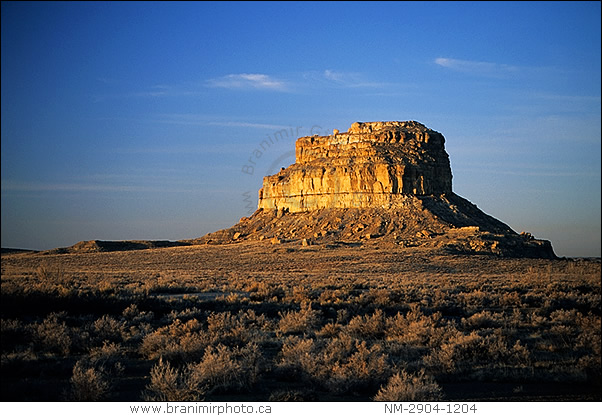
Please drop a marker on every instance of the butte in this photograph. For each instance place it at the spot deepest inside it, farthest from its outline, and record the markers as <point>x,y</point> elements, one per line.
<point>386,183</point>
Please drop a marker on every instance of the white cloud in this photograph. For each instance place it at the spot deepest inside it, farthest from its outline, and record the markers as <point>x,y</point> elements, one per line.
<point>476,67</point>
<point>247,81</point>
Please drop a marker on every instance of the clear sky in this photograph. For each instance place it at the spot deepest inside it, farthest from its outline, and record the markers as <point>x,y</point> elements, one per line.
<point>141,120</point>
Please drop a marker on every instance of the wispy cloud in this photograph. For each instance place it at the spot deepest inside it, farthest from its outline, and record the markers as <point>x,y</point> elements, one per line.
<point>162,91</point>
<point>340,79</point>
<point>249,125</point>
<point>182,119</point>
<point>202,119</point>
<point>477,67</point>
<point>152,91</point>
<point>248,81</point>
<point>335,76</point>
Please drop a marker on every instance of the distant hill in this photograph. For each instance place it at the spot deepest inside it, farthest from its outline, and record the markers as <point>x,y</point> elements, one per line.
<point>110,246</point>
<point>16,251</point>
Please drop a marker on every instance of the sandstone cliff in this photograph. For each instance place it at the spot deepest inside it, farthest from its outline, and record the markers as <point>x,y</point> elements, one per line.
<point>371,165</point>
<point>379,182</point>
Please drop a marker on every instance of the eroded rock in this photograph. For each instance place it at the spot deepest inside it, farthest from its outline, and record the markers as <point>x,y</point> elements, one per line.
<point>377,183</point>
<point>372,164</point>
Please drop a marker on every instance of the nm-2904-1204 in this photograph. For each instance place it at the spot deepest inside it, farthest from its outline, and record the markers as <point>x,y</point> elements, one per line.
<point>430,408</point>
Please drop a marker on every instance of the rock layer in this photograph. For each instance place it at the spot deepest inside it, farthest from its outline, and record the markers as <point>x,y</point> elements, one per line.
<point>370,165</point>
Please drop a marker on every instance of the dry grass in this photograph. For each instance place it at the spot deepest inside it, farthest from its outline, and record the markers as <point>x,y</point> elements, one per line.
<point>170,384</point>
<point>405,387</point>
<point>88,383</point>
<point>256,322</point>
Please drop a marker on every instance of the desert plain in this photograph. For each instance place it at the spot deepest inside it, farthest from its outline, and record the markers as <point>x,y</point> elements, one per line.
<point>255,320</point>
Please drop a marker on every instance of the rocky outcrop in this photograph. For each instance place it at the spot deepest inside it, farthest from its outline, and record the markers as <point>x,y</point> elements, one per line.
<point>379,182</point>
<point>371,165</point>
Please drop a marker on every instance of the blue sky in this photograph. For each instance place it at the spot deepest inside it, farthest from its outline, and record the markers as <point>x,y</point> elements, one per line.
<point>141,120</point>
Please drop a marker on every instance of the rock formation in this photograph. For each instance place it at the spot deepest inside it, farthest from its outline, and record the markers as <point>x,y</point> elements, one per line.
<point>384,181</point>
<point>371,165</point>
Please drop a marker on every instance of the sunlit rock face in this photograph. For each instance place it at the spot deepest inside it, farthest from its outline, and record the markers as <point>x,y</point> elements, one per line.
<point>373,164</point>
